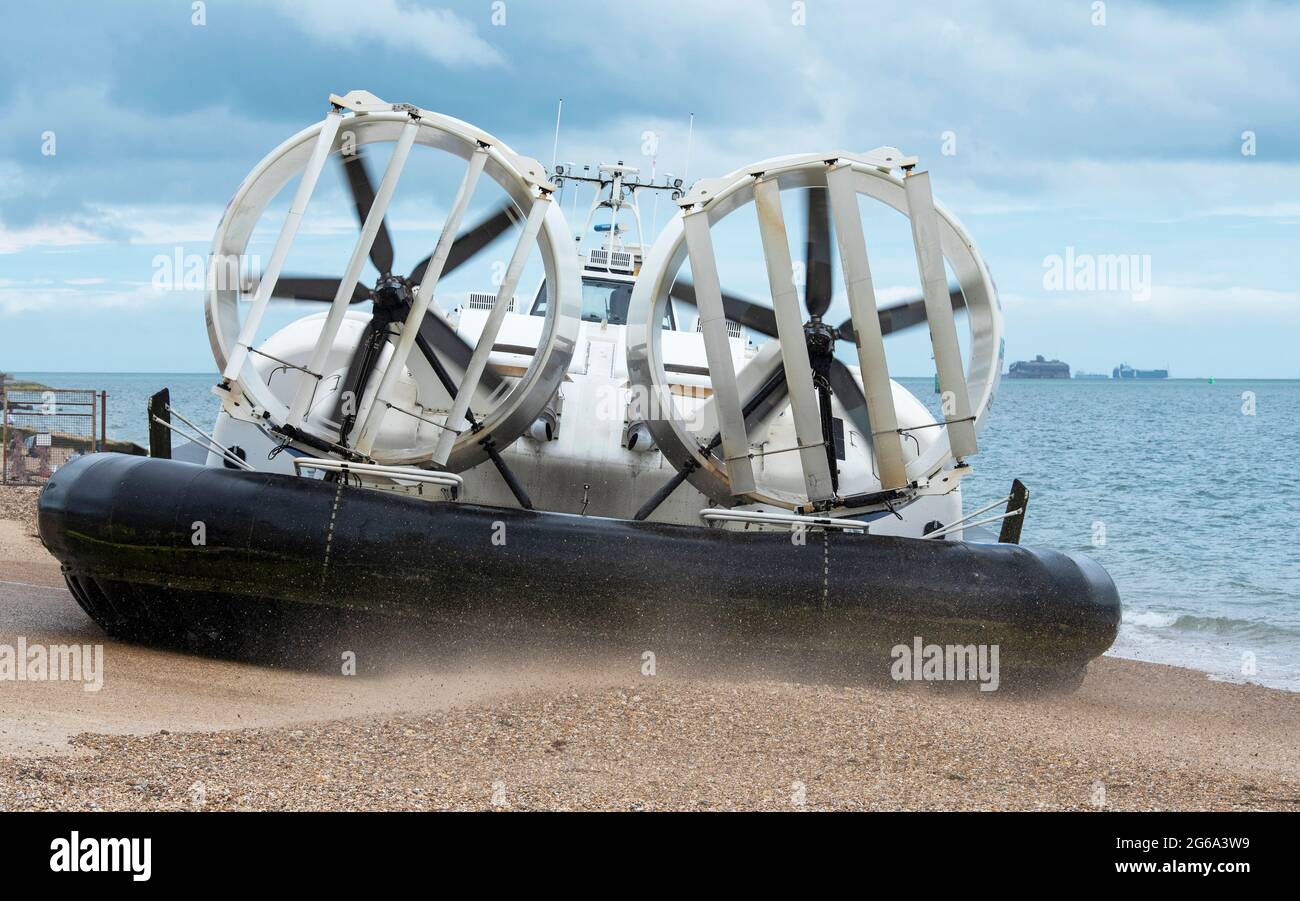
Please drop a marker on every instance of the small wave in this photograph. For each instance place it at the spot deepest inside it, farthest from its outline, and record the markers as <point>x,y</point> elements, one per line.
<point>1218,626</point>
<point>1149,618</point>
<point>1229,627</point>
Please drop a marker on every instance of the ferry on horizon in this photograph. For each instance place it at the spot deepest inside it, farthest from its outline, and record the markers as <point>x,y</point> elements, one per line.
<point>1039,368</point>
<point>1125,371</point>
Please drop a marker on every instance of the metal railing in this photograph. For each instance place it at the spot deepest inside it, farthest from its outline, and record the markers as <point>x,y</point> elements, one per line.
<point>43,428</point>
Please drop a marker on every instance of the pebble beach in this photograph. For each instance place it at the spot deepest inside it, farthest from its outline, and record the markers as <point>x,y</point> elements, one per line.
<point>170,732</point>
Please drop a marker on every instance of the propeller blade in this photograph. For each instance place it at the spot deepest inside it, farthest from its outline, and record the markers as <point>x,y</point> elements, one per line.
<point>766,398</point>
<point>470,242</point>
<point>775,394</point>
<point>851,398</point>
<point>306,287</point>
<point>363,197</point>
<point>360,368</point>
<point>817,253</point>
<point>747,313</point>
<point>770,396</point>
<point>436,335</point>
<point>900,316</point>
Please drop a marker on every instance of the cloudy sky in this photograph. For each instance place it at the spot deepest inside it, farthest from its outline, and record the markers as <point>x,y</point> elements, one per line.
<point>1167,132</point>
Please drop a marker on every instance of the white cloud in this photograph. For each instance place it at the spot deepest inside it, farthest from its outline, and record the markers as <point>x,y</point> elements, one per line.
<point>17,298</point>
<point>64,234</point>
<point>439,34</point>
<point>147,224</point>
<point>1170,303</point>
<point>1278,209</point>
<point>158,223</point>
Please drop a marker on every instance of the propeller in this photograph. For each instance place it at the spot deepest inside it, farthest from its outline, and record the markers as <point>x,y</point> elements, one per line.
<point>817,254</point>
<point>470,242</point>
<point>745,312</point>
<point>893,318</point>
<point>830,375</point>
<point>900,316</point>
<point>363,198</point>
<point>392,296</point>
<point>304,287</point>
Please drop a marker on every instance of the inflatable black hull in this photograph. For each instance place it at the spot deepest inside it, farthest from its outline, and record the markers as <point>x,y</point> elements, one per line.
<point>164,551</point>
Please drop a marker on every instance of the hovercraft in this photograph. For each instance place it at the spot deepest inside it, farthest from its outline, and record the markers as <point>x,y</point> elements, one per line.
<point>125,529</point>
<point>626,453</point>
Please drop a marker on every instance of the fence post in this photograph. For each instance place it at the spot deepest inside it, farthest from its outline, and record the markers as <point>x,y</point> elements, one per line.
<point>4,432</point>
<point>1012,525</point>
<point>103,420</point>
<point>160,437</point>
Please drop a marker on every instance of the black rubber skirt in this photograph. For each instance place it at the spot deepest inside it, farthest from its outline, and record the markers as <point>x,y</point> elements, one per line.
<point>155,550</point>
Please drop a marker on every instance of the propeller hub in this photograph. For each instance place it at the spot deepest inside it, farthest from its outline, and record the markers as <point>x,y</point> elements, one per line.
<point>820,337</point>
<point>392,291</point>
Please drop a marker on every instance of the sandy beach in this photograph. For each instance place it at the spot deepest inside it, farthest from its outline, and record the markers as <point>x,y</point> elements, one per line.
<point>169,731</point>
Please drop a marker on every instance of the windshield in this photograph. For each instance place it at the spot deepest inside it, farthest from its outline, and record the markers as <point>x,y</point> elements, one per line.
<point>603,300</point>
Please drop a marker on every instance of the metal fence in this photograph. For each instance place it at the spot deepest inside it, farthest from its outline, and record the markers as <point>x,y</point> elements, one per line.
<point>43,428</point>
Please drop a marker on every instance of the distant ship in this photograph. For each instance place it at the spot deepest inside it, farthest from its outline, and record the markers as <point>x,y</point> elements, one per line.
<point>1092,376</point>
<point>1125,371</point>
<point>1039,368</point>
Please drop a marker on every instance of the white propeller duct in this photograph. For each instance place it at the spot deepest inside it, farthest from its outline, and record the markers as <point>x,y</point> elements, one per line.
<point>722,470</point>
<point>409,317</point>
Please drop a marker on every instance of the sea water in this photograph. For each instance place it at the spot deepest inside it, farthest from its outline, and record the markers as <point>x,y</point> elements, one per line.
<point>1186,491</point>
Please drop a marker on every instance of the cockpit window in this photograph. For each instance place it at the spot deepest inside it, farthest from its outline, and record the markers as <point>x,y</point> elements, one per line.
<point>539,302</point>
<point>603,300</point>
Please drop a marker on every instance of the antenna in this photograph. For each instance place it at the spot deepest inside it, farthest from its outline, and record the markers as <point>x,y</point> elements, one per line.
<point>555,148</point>
<point>573,214</point>
<point>654,216</point>
<point>622,184</point>
<point>690,140</point>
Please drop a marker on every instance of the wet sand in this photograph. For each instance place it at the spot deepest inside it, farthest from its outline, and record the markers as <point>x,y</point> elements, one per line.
<point>174,731</point>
